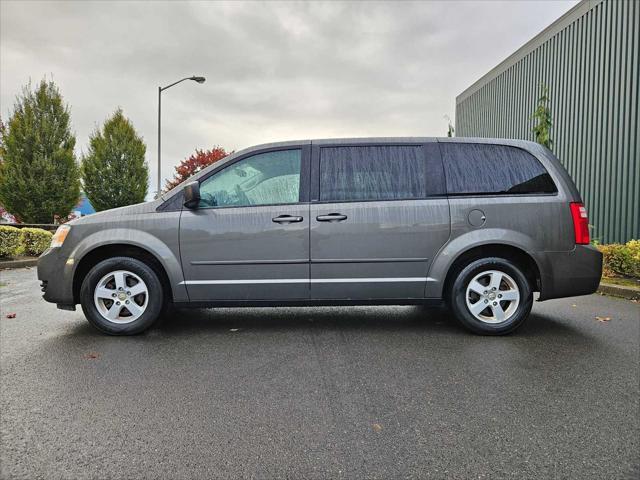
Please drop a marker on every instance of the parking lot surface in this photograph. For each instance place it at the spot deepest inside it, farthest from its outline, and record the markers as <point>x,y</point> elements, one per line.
<point>357,392</point>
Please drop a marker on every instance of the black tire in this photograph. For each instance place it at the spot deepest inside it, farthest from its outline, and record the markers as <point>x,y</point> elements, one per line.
<point>457,296</point>
<point>154,297</point>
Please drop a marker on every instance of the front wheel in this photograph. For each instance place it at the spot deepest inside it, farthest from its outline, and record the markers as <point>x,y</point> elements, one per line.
<point>121,296</point>
<point>491,296</point>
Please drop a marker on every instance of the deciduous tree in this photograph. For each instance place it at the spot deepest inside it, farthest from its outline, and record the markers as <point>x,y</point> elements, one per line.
<point>450,130</point>
<point>192,165</point>
<point>542,117</point>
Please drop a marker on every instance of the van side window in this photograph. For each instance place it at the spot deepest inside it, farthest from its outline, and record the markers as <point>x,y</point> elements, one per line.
<point>360,173</point>
<point>263,179</point>
<point>473,168</point>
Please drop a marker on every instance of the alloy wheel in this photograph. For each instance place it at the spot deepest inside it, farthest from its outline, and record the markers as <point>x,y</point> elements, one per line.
<point>492,296</point>
<point>121,296</point>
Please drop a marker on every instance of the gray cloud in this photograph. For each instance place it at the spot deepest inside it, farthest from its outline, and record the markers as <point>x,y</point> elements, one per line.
<point>275,71</point>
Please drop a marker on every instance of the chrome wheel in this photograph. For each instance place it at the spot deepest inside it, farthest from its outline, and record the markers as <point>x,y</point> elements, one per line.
<point>492,296</point>
<point>121,296</point>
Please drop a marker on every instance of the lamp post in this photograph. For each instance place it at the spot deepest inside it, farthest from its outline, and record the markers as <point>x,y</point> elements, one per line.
<point>160,90</point>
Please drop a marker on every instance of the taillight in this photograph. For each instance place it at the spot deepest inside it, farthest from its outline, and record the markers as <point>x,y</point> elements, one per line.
<point>580,223</point>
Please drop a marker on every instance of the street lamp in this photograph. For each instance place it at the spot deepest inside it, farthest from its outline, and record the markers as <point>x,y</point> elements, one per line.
<point>160,89</point>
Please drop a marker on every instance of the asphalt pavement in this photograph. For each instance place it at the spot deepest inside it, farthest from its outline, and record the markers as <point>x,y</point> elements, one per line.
<point>340,392</point>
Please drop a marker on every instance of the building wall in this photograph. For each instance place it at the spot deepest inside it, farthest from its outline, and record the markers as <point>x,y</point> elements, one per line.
<point>589,60</point>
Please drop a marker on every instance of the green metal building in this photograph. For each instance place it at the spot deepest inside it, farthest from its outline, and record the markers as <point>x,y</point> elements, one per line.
<point>588,59</point>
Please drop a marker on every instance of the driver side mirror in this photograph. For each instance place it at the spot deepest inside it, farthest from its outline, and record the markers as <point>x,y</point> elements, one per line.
<point>192,195</point>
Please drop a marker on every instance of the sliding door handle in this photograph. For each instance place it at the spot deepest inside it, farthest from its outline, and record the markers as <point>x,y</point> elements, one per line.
<point>332,217</point>
<point>287,219</point>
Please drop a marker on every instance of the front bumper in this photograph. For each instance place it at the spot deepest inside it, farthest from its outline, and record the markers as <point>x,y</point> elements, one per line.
<point>55,272</point>
<point>569,274</point>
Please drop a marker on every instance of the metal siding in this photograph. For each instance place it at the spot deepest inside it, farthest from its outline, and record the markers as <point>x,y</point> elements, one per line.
<point>634,100</point>
<point>591,69</point>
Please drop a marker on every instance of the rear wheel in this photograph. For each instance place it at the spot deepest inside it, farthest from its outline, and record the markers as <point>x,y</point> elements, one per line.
<point>121,296</point>
<point>491,296</point>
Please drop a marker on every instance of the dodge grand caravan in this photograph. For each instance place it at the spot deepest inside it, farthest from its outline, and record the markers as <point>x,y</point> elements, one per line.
<point>479,223</point>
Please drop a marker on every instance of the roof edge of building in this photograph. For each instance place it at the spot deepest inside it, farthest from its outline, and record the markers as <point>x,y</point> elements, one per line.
<point>560,24</point>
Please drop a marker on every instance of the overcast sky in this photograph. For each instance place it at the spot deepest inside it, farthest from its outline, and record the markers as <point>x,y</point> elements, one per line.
<point>275,71</point>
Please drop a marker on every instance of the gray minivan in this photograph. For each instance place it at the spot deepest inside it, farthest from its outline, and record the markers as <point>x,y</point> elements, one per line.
<point>478,223</point>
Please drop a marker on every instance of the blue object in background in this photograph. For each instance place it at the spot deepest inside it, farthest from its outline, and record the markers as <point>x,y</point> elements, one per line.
<point>84,206</point>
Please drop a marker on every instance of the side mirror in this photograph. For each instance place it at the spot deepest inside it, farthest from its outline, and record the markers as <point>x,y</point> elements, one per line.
<point>192,195</point>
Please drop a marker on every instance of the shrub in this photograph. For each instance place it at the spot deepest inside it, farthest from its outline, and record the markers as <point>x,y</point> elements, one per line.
<point>621,259</point>
<point>9,241</point>
<point>35,240</point>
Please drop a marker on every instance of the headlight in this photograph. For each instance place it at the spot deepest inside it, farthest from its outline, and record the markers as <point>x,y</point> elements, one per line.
<point>60,235</point>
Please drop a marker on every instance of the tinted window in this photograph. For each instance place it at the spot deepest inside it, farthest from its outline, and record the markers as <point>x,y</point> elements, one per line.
<point>263,179</point>
<point>372,173</point>
<point>493,169</point>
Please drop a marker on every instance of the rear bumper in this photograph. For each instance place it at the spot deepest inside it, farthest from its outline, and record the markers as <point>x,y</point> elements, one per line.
<point>56,277</point>
<point>569,274</point>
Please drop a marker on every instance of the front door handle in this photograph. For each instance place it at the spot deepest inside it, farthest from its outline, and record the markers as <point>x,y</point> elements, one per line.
<point>332,217</point>
<point>287,219</point>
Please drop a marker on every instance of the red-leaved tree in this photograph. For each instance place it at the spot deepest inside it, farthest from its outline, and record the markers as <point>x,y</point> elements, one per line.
<point>192,165</point>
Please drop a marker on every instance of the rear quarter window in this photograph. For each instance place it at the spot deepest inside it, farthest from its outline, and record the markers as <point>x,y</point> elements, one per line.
<point>485,169</point>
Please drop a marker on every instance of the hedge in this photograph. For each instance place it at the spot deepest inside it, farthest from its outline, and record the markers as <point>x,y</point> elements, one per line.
<point>35,240</point>
<point>17,241</point>
<point>621,260</point>
<point>10,241</point>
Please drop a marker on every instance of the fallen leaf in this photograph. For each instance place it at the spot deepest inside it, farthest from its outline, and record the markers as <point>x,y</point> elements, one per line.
<point>92,356</point>
<point>11,315</point>
<point>234,329</point>
<point>603,319</point>
<point>377,427</point>
<point>574,305</point>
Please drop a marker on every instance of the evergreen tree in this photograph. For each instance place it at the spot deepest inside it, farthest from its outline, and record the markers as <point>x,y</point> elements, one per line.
<point>114,171</point>
<point>39,177</point>
<point>3,134</point>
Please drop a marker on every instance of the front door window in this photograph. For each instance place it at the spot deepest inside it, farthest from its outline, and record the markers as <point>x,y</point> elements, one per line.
<point>271,178</point>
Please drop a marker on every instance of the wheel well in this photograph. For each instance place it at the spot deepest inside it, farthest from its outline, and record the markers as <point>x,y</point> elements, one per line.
<point>508,252</point>
<point>118,250</point>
